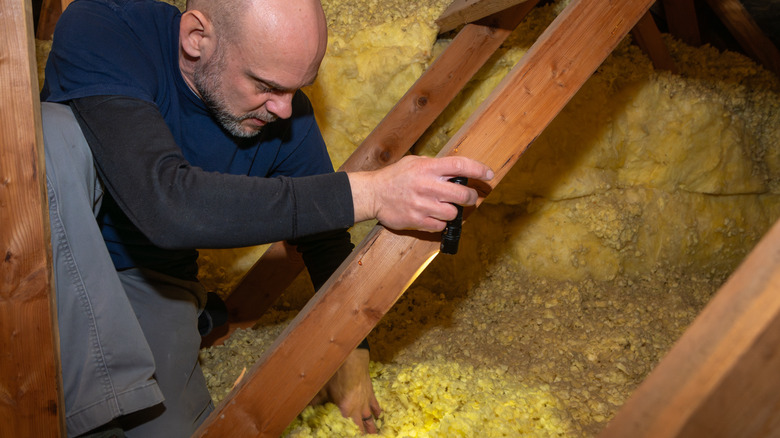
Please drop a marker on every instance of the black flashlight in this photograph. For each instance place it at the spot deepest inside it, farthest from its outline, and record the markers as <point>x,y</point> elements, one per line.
<point>450,237</point>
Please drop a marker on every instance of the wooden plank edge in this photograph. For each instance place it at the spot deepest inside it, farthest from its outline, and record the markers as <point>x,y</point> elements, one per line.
<point>47,19</point>
<point>682,21</point>
<point>648,38</point>
<point>720,379</point>
<point>31,399</point>
<point>749,35</point>
<point>50,13</point>
<point>461,12</point>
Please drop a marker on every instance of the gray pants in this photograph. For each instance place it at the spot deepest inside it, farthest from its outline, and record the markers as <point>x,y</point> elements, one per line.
<point>129,339</point>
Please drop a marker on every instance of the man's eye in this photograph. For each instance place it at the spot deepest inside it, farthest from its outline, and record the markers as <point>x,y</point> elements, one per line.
<point>263,89</point>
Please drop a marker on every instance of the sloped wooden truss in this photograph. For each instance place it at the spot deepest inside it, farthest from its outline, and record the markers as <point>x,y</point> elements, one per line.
<point>720,379</point>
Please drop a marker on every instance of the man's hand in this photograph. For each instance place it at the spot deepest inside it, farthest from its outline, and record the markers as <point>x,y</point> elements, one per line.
<point>351,390</point>
<point>414,192</point>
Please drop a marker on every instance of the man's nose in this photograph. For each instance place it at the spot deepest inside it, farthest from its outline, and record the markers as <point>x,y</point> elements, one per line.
<point>280,105</point>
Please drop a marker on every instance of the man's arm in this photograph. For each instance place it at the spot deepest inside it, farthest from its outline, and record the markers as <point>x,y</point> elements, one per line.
<point>177,205</point>
<point>350,388</point>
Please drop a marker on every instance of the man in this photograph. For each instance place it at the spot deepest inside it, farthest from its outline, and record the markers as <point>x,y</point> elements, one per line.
<point>186,131</point>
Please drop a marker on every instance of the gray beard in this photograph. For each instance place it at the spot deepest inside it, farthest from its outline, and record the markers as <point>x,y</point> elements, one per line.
<point>208,84</point>
<point>229,121</point>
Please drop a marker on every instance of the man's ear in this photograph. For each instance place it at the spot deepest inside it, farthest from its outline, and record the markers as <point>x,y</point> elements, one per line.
<point>196,34</point>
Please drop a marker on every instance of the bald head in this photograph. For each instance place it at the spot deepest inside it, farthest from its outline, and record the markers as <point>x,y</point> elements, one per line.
<point>297,23</point>
<point>246,58</point>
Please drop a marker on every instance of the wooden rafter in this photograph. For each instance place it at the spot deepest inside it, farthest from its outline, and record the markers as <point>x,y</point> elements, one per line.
<point>386,144</point>
<point>369,282</point>
<point>721,378</point>
<point>648,38</point>
<point>50,13</point>
<point>461,12</point>
<point>752,39</point>
<point>31,403</point>
<point>682,21</point>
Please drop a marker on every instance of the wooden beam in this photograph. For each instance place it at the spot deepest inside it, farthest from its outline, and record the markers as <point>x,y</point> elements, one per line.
<point>682,21</point>
<point>386,144</point>
<point>648,38</point>
<point>50,13</point>
<point>369,282</point>
<point>30,380</point>
<point>755,43</point>
<point>257,291</point>
<point>721,378</point>
<point>468,11</point>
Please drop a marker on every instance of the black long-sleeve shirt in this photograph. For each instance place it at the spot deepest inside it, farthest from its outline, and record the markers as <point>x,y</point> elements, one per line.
<point>160,207</point>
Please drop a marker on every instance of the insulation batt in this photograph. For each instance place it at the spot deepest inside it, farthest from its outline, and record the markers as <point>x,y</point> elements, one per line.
<point>579,271</point>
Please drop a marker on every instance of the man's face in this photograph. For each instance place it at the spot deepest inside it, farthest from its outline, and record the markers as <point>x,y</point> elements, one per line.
<point>239,120</point>
<point>245,93</point>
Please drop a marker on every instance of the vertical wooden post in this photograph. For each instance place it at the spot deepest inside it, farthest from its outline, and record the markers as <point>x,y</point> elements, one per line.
<point>682,21</point>
<point>30,382</point>
<point>369,282</point>
<point>50,13</point>
<point>648,38</point>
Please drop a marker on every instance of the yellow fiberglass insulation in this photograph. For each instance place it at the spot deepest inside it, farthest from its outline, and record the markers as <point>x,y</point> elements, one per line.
<point>580,270</point>
<point>585,264</point>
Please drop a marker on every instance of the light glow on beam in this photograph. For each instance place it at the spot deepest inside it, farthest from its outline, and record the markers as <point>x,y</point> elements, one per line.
<point>419,271</point>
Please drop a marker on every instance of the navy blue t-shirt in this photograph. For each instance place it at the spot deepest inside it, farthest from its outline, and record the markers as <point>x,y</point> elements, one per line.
<point>130,48</point>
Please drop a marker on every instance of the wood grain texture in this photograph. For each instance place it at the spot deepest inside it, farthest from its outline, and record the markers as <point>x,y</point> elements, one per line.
<point>721,378</point>
<point>682,20</point>
<point>461,12</point>
<point>648,38</point>
<point>745,30</point>
<point>387,143</point>
<point>50,13</point>
<point>370,281</point>
<point>30,401</point>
